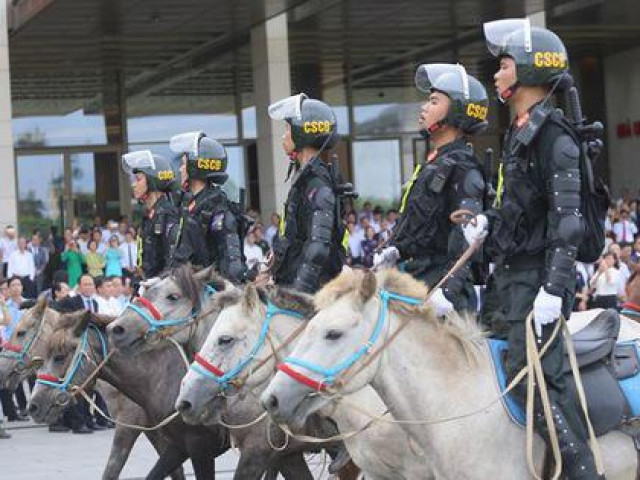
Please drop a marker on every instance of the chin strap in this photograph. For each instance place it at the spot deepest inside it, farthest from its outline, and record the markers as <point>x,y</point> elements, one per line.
<point>294,164</point>
<point>508,93</point>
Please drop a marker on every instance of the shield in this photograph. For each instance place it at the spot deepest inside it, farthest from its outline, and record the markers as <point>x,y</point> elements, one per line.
<point>185,143</point>
<point>513,31</point>
<point>290,107</point>
<point>448,77</point>
<point>137,161</point>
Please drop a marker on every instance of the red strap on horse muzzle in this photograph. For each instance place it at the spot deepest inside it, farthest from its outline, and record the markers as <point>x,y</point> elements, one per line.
<point>302,378</point>
<point>149,306</point>
<point>204,363</point>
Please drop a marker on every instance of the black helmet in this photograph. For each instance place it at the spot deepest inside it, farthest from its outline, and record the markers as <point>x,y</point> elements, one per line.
<point>157,169</point>
<point>206,157</point>
<point>469,103</point>
<point>540,56</point>
<point>313,123</point>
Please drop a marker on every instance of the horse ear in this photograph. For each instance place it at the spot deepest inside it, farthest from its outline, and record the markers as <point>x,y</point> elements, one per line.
<point>203,275</point>
<point>81,322</point>
<point>250,298</point>
<point>368,286</point>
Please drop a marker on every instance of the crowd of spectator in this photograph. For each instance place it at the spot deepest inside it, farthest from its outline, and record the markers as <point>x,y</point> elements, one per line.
<point>92,268</point>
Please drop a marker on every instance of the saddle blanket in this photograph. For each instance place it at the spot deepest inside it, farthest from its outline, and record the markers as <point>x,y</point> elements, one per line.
<point>630,386</point>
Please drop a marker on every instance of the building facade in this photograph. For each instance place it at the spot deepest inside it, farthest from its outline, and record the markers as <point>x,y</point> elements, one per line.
<point>83,82</point>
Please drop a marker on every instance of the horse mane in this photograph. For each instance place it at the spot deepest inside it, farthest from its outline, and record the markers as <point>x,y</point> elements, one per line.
<point>463,328</point>
<point>183,276</point>
<point>65,331</point>
<point>288,299</point>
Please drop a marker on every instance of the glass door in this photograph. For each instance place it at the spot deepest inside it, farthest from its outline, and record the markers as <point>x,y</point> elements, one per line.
<point>42,193</point>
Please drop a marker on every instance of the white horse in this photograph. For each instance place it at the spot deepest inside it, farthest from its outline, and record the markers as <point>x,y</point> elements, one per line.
<point>245,326</point>
<point>433,370</point>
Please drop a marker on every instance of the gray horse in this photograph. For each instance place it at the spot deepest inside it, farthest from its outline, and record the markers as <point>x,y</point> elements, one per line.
<point>24,355</point>
<point>182,305</point>
<point>148,381</point>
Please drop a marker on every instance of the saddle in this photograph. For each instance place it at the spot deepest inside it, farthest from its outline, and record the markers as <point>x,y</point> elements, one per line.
<point>610,373</point>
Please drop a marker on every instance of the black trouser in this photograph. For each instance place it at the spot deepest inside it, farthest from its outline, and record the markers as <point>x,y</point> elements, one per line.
<point>605,301</point>
<point>8,407</point>
<point>431,269</point>
<point>101,404</point>
<point>514,289</point>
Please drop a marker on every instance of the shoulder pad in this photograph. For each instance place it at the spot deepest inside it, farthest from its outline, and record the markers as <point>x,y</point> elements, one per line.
<point>321,197</point>
<point>565,153</point>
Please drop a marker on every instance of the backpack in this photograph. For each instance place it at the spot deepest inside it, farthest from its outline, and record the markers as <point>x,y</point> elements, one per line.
<point>594,194</point>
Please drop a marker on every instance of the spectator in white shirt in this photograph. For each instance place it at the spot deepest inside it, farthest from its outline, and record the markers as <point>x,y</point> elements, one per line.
<point>355,245</point>
<point>97,236</point>
<point>252,252</point>
<point>8,245</point>
<point>118,298</point>
<point>21,265</point>
<point>104,297</point>
<point>272,229</point>
<point>83,241</point>
<point>624,229</point>
<point>129,257</point>
<point>377,218</point>
<point>606,283</point>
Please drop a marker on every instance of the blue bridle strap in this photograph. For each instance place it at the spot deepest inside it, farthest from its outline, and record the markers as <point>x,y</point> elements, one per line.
<point>76,362</point>
<point>227,377</point>
<point>155,325</point>
<point>330,374</point>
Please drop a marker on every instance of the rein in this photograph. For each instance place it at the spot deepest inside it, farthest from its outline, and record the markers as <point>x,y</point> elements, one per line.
<point>336,375</point>
<point>225,379</point>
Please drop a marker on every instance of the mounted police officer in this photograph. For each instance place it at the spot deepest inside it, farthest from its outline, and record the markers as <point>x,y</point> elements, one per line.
<point>203,172</point>
<point>152,179</point>
<point>534,231</point>
<point>308,250</point>
<point>426,241</point>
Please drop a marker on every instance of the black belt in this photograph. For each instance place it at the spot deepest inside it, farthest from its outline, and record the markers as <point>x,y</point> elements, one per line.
<point>525,262</point>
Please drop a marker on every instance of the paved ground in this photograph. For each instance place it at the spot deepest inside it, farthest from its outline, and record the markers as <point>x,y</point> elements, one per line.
<point>35,454</point>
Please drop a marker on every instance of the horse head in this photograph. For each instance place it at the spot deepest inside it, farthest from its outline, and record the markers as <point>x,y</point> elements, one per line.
<point>240,350</point>
<point>72,352</point>
<point>168,305</point>
<point>22,351</point>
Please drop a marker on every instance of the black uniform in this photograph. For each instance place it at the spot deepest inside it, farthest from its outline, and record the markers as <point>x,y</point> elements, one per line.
<point>310,251</point>
<point>219,232</point>
<point>158,235</point>
<point>534,238</point>
<point>427,241</point>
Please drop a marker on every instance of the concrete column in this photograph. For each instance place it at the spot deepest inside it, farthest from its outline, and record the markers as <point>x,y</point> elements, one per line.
<point>8,196</point>
<point>271,82</point>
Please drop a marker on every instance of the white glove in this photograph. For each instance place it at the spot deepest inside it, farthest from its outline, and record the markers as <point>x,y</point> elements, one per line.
<point>478,231</point>
<point>547,309</point>
<point>440,303</point>
<point>386,258</point>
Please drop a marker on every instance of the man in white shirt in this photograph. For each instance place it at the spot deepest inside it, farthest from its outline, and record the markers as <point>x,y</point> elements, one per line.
<point>272,230</point>
<point>21,265</point>
<point>624,229</point>
<point>118,298</point>
<point>355,244</point>
<point>103,297</point>
<point>252,252</point>
<point>8,244</point>
<point>129,257</point>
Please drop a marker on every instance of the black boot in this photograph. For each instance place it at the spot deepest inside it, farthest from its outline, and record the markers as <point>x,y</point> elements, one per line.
<point>577,459</point>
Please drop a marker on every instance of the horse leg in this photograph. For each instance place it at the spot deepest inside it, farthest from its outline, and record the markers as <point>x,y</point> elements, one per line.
<point>203,463</point>
<point>170,459</point>
<point>252,464</point>
<point>123,440</point>
<point>160,443</point>
<point>294,467</point>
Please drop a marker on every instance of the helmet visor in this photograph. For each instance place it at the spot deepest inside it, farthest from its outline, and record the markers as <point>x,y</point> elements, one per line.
<point>290,107</point>
<point>447,77</point>
<point>185,143</point>
<point>137,161</point>
<point>514,32</point>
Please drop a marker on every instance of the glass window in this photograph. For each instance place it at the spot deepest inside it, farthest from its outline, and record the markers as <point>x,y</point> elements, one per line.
<point>376,171</point>
<point>387,110</point>
<point>41,192</point>
<point>75,128</point>
<point>83,187</point>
